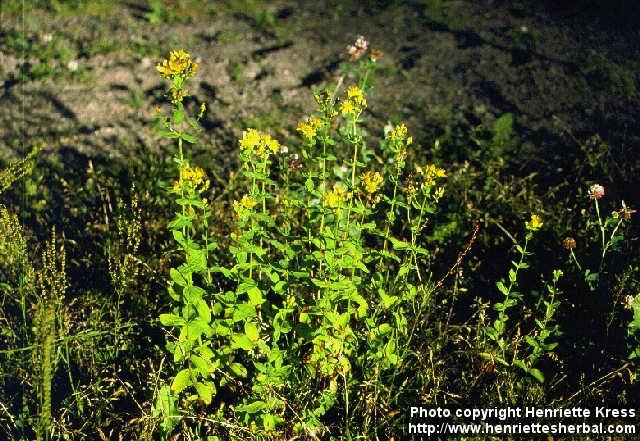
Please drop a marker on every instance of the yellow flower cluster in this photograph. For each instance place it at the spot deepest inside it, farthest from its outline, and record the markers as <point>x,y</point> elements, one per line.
<point>309,127</point>
<point>194,177</point>
<point>355,94</point>
<point>398,133</point>
<point>245,203</point>
<point>178,64</point>
<point>355,102</point>
<point>259,144</point>
<point>371,181</point>
<point>430,173</point>
<point>337,197</point>
<point>535,223</point>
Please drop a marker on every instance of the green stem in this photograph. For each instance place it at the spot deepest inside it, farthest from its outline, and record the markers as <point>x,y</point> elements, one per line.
<point>353,170</point>
<point>575,259</point>
<point>608,244</point>
<point>393,207</point>
<point>602,231</point>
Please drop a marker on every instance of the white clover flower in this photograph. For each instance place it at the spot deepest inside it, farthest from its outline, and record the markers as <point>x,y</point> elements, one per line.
<point>596,191</point>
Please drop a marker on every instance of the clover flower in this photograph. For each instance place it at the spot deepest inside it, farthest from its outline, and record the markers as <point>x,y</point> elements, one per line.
<point>178,64</point>
<point>256,143</point>
<point>596,191</point>
<point>309,127</point>
<point>569,243</point>
<point>626,212</point>
<point>535,223</point>
<point>375,54</point>
<point>371,181</point>
<point>358,49</point>
<point>629,301</point>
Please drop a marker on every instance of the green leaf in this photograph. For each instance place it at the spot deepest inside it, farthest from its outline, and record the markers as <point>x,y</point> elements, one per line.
<point>171,320</point>
<point>243,311</point>
<point>179,237</point>
<point>251,331</point>
<point>520,364</point>
<point>189,138</point>
<point>387,300</point>
<point>181,381</point>
<point>531,341</point>
<point>180,221</point>
<point>537,374</point>
<point>502,128</point>
<point>361,302</point>
<point>309,185</point>
<point>197,260</point>
<point>205,352</point>
<point>205,391</point>
<point>254,407</point>
<point>166,407</point>
<point>198,203</point>
<point>270,421</point>
<point>193,293</point>
<point>198,327</point>
<point>203,310</point>
<point>241,341</point>
<point>201,364</point>
<point>255,296</point>
<point>178,115</point>
<point>404,269</point>
<point>399,245</point>
<point>177,277</point>
<point>169,134</point>
<point>339,285</point>
<point>238,369</point>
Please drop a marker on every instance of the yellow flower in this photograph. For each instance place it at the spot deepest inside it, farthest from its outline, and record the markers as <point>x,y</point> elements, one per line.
<point>178,94</point>
<point>356,95</point>
<point>309,127</point>
<point>250,138</point>
<point>355,102</point>
<point>535,223</point>
<point>347,108</point>
<point>247,202</point>
<point>430,173</point>
<point>178,64</point>
<point>307,130</point>
<point>371,181</point>
<point>243,205</point>
<point>337,197</point>
<point>254,142</point>
<point>270,143</point>
<point>194,177</point>
<point>398,133</point>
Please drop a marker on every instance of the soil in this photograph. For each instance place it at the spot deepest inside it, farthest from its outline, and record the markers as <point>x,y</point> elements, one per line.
<point>554,67</point>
